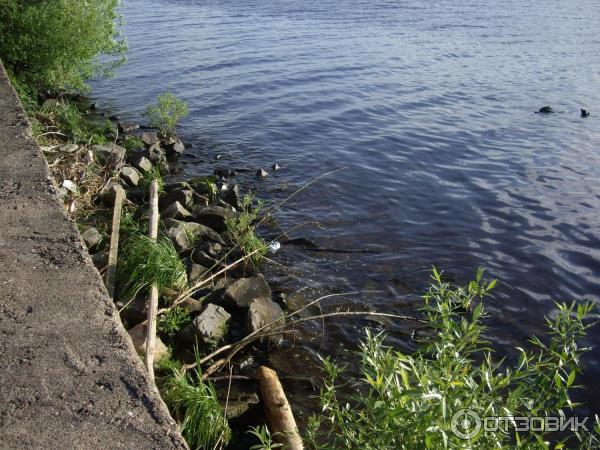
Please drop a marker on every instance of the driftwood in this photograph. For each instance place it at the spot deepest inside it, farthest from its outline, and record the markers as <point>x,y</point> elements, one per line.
<point>277,409</point>
<point>111,270</point>
<point>152,304</point>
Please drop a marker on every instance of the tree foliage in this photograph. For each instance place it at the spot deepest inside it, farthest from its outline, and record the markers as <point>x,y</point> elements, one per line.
<point>56,45</point>
<point>413,401</point>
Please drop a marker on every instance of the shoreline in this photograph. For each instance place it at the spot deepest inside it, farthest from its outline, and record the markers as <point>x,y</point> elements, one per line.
<point>198,217</point>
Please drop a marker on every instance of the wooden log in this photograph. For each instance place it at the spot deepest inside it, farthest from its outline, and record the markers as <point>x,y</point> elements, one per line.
<point>111,269</point>
<point>277,409</point>
<point>152,303</point>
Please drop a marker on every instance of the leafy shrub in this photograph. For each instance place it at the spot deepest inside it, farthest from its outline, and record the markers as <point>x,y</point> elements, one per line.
<point>55,44</point>
<point>409,401</point>
<point>173,320</point>
<point>242,231</point>
<point>195,405</point>
<point>167,113</point>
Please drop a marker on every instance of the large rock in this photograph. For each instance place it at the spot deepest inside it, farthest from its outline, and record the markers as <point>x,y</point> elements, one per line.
<point>138,337</point>
<point>130,176</point>
<point>209,328</point>
<point>133,311</point>
<point>212,216</point>
<point>232,196</point>
<point>186,234</point>
<point>143,164</point>
<point>92,238</point>
<point>126,127</point>
<point>242,291</point>
<point>109,193</point>
<point>149,137</point>
<point>196,273</point>
<point>156,154</point>
<point>109,154</point>
<point>176,211</point>
<point>174,146</point>
<point>183,196</point>
<point>262,312</point>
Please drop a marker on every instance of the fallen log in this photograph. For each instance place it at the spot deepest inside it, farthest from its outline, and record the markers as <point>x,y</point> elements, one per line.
<point>280,419</point>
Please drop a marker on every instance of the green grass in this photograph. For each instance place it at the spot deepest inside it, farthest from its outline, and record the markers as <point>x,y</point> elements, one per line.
<point>242,232</point>
<point>408,400</point>
<point>144,262</point>
<point>133,143</point>
<point>173,320</point>
<point>195,405</point>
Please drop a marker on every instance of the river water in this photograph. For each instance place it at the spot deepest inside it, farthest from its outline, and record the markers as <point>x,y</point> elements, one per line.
<point>429,109</point>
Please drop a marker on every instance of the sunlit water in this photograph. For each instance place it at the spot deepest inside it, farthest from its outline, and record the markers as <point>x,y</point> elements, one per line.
<point>429,108</point>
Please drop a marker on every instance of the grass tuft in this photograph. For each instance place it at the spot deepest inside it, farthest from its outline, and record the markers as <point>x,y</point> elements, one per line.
<point>145,262</point>
<point>242,231</point>
<point>196,407</point>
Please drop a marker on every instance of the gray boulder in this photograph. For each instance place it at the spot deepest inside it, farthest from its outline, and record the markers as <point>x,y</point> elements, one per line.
<point>138,337</point>
<point>149,137</point>
<point>212,216</point>
<point>69,148</point>
<point>130,176</point>
<point>262,312</point>
<point>176,211</point>
<point>242,291</point>
<point>209,328</point>
<point>196,272</point>
<point>109,193</point>
<point>183,196</point>
<point>185,234</point>
<point>143,164</point>
<point>109,154</point>
<point>92,238</point>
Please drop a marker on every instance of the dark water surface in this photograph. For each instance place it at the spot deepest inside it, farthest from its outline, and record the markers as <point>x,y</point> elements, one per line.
<point>429,107</point>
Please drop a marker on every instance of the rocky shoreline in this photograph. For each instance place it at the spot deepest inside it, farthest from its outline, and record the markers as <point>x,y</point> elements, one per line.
<point>231,298</point>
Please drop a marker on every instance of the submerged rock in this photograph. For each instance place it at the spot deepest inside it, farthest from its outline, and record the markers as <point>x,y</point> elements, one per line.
<point>261,173</point>
<point>584,112</point>
<point>92,238</point>
<point>276,167</point>
<point>546,110</point>
<point>242,291</point>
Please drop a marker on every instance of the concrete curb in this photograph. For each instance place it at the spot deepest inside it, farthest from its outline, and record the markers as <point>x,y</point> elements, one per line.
<point>69,376</point>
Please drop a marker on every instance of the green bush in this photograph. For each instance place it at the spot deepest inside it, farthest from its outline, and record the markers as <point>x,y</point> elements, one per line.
<point>413,401</point>
<point>173,320</point>
<point>242,231</point>
<point>56,45</point>
<point>167,113</point>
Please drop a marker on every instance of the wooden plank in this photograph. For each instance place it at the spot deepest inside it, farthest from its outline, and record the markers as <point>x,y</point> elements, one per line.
<point>111,270</point>
<point>152,303</point>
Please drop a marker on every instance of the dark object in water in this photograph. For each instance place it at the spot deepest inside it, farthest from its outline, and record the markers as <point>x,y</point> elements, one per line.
<point>546,110</point>
<point>261,173</point>
<point>276,167</point>
<point>584,112</point>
